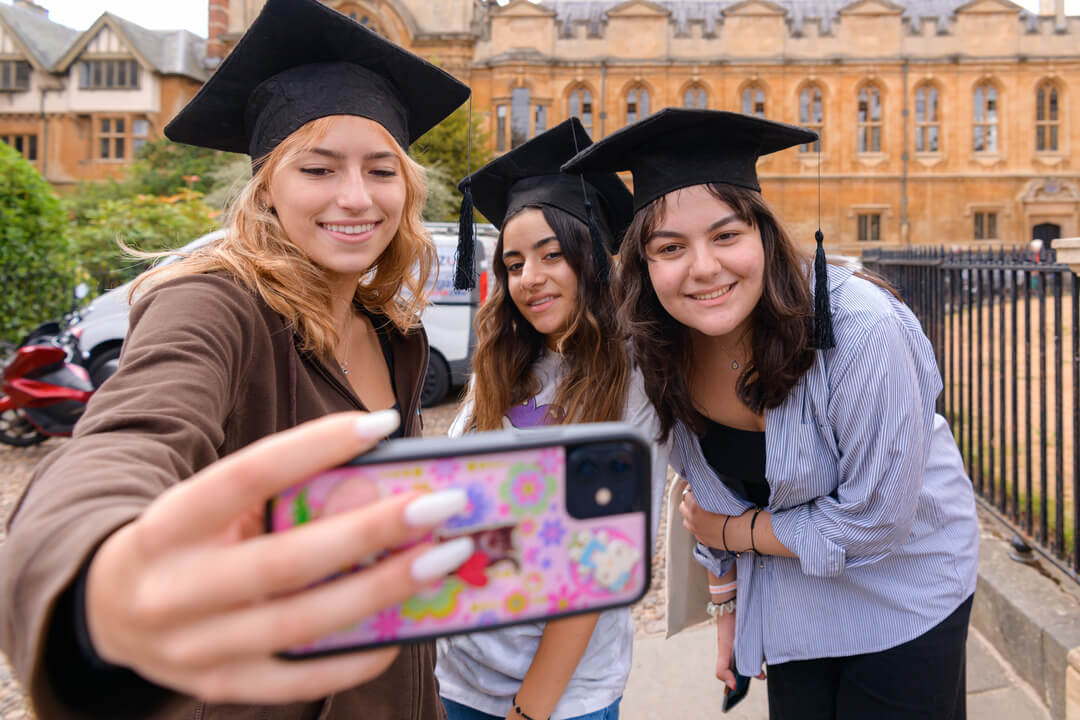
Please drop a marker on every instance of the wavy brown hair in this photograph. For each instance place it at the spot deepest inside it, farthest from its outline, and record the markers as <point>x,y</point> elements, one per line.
<point>781,324</point>
<point>257,252</point>
<point>594,386</point>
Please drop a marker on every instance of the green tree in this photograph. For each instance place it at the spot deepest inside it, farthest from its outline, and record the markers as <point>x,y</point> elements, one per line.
<point>163,167</point>
<point>149,223</point>
<point>36,269</point>
<point>446,146</point>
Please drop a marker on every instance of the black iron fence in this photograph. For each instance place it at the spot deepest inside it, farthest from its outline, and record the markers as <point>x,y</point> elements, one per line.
<point>1005,326</point>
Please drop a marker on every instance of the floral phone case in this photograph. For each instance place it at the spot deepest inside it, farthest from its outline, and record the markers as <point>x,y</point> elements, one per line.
<point>534,558</point>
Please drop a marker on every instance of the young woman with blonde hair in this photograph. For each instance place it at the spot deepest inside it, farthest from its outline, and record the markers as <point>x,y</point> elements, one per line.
<point>549,352</point>
<point>136,578</point>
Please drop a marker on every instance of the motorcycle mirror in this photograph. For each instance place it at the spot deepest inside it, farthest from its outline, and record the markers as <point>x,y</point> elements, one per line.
<point>81,291</point>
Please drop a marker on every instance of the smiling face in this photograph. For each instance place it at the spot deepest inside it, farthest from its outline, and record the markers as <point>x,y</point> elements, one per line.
<point>341,200</point>
<point>542,285</point>
<point>706,264</point>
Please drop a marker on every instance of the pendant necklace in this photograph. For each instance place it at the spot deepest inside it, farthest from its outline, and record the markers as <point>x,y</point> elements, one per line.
<point>344,364</point>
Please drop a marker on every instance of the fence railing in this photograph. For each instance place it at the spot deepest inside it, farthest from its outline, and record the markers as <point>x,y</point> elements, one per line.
<point>1005,327</point>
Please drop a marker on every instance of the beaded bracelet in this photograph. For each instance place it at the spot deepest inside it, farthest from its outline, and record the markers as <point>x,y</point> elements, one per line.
<point>521,712</point>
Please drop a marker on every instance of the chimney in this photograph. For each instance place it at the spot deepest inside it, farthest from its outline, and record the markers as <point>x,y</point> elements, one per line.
<point>32,7</point>
<point>218,26</point>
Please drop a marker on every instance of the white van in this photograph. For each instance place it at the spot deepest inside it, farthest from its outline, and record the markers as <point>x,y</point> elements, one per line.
<point>101,326</point>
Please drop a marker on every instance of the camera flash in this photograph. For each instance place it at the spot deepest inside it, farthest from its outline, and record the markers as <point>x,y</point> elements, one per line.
<point>603,496</point>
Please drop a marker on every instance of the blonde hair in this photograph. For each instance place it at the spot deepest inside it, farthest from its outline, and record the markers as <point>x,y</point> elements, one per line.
<point>259,255</point>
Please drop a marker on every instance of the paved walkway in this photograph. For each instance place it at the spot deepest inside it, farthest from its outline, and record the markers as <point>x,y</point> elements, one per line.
<point>674,679</point>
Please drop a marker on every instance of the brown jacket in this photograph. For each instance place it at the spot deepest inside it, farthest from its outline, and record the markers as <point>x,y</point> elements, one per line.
<point>207,369</point>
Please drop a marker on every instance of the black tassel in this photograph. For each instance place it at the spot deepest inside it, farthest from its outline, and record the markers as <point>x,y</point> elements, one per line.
<point>601,260</point>
<point>464,271</point>
<point>823,330</point>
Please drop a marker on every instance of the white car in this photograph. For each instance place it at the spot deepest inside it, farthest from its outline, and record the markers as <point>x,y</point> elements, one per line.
<point>100,327</point>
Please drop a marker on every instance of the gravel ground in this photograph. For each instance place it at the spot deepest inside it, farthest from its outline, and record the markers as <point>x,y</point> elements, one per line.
<point>17,464</point>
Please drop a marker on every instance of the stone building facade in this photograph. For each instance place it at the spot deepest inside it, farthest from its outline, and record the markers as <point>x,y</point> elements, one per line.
<point>942,121</point>
<point>79,104</point>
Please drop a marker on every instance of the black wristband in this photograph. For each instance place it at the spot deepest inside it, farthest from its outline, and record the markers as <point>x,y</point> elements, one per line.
<point>521,712</point>
<point>753,521</point>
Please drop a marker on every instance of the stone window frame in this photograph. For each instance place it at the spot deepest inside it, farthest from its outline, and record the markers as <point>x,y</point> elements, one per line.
<point>695,96</point>
<point>924,124</point>
<point>985,223</point>
<point>986,98</point>
<point>750,95</point>
<point>869,128</point>
<point>578,94</point>
<point>808,120</point>
<point>1049,127</point>
<point>642,96</point>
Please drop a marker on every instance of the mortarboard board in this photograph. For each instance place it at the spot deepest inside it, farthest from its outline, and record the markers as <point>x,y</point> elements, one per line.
<point>530,175</point>
<point>299,61</point>
<point>678,148</point>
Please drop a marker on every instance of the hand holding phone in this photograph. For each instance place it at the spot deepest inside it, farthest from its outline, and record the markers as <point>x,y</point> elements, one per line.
<point>742,686</point>
<point>559,518</point>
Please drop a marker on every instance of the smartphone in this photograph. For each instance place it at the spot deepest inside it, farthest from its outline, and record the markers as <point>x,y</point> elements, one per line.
<point>742,686</point>
<point>560,518</point>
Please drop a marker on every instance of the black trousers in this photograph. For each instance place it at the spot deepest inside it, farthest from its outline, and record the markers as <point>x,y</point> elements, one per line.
<point>923,679</point>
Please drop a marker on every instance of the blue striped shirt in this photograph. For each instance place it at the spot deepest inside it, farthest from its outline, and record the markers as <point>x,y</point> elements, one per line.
<point>867,487</point>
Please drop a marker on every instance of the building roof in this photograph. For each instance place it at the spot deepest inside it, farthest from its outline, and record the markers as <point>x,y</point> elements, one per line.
<point>45,40</point>
<point>54,47</point>
<point>710,12</point>
<point>171,52</point>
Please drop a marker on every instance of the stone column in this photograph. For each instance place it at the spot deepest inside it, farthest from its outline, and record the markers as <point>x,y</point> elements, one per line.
<point>1068,252</point>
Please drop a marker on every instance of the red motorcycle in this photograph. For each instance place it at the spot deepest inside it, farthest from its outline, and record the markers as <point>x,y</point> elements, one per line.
<point>42,394</point>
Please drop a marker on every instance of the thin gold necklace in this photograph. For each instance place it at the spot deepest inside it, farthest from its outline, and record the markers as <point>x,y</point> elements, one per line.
<point>344,364</point>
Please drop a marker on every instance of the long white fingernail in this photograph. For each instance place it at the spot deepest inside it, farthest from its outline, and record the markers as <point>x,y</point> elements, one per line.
<point>443,559</point>
<point>436,507</point>
<point>377,424</point>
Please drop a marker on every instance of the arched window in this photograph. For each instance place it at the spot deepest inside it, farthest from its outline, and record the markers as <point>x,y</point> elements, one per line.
<point>869,120</point>
<point>812,115</point>
<point>927,120</point>
<point>695,98</point>
<point>581,107</point>
<point>520,115</point>
<point>753,101</point>
<point>1046,118</point>
<point>637,104</point>
<point>361,17</point>
<point>985,126</point>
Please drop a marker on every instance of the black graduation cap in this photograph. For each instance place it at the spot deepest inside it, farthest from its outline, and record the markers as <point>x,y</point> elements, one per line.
<point>299,61</point>
<point>677,148</point>
<point>530,175</point>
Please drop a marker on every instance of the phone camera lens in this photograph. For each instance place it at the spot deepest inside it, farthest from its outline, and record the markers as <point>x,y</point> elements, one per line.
<point>620,465</point>
<point>587,469</point>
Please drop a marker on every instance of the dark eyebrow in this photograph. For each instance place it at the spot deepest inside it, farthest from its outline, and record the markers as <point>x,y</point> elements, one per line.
<point>536,246</point>
<point>712,228</point>
<point>378,155</point>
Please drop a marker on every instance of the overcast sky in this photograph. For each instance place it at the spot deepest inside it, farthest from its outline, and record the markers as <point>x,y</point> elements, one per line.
<point>191,14</point>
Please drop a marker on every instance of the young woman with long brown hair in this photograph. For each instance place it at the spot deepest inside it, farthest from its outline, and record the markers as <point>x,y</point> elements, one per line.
<point>137,580</point>
<point>549,352</point>
<point>829,501</point>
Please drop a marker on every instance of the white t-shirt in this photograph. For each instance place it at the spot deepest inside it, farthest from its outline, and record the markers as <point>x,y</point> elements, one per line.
<point>485,670</point>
